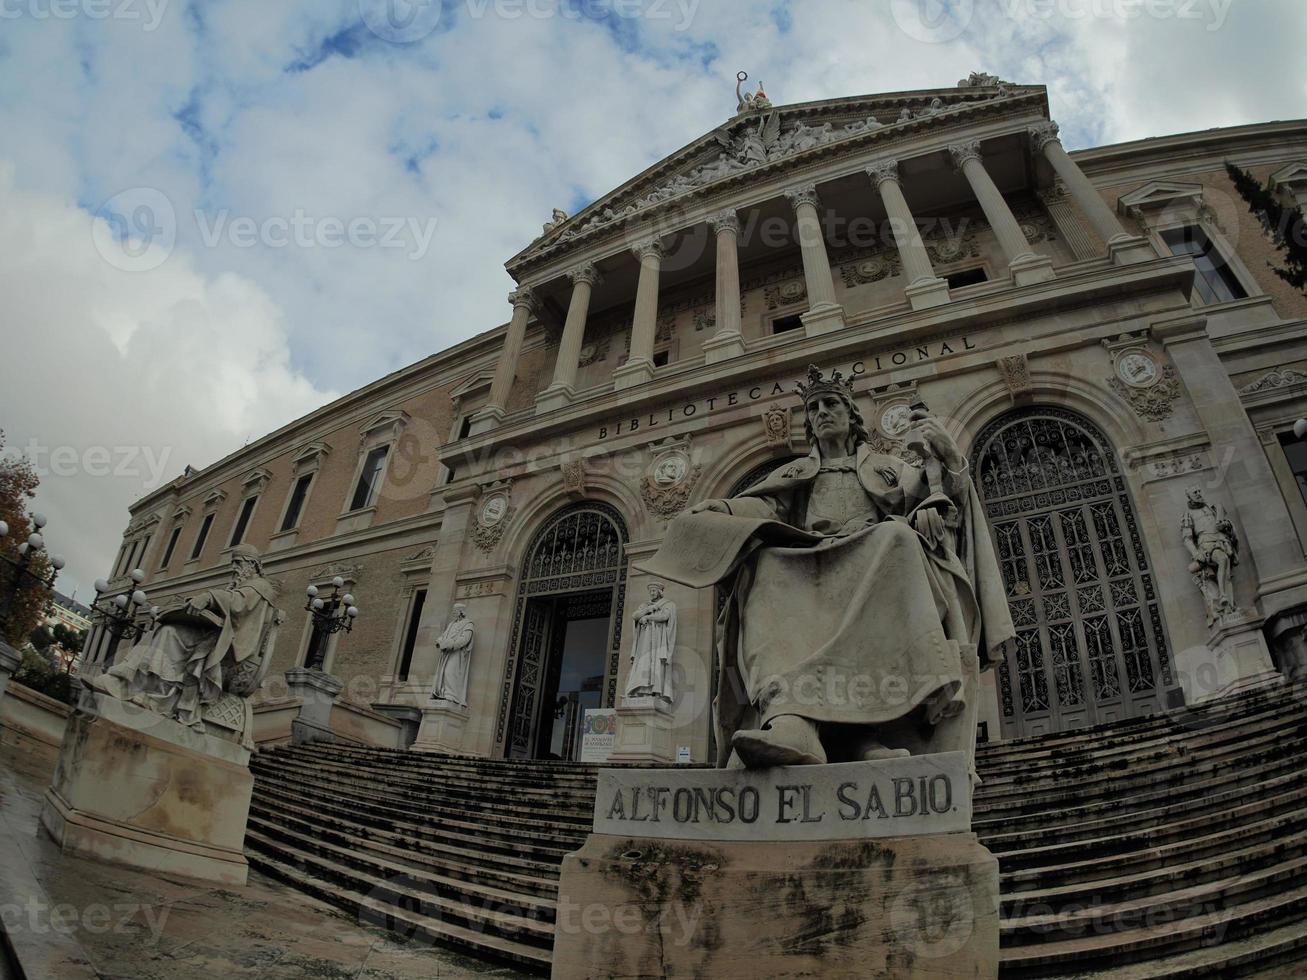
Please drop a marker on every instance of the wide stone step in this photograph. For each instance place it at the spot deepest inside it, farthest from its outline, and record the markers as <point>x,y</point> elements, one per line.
<point>413,921</point>
<point>1159,939</point>
<point>539,846</point>
<point>1274,954</point>
<point>470,866</point>
<point>1145,809</point>
<point>528,772</point>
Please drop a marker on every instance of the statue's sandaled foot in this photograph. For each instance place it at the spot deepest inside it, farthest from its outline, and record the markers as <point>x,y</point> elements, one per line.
<point>874,752</point>
<point>788,741</point>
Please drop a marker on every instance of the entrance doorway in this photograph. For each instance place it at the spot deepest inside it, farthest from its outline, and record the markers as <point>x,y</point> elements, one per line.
<point>1091,646</point>
<point>567,633</point>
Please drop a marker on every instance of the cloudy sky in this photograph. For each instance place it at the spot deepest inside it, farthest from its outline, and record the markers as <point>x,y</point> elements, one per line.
<point>217,216</point>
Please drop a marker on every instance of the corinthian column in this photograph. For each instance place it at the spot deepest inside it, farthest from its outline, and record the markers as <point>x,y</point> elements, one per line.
<point>728,339</point>
<point>524,306</point>
<point>639,366</point>
<point>1023,264</point>
<point>1121,245</point>
<point>563,389</point>
<point>824,314</point>
<point>924,289</point>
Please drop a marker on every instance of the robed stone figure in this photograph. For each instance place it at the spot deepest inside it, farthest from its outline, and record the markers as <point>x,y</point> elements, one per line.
<point>179,668</point>
<point>651,651</point>
<point>865,598</point>
<point>455,646</point>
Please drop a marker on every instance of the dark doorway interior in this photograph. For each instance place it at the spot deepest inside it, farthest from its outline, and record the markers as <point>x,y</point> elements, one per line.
<point>574,676</point>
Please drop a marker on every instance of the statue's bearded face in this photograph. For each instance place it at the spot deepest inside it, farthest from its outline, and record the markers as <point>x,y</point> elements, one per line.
<point>828,415</point>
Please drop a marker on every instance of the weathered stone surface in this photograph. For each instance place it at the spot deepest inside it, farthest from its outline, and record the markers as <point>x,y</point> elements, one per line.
<point>924,794</point>
<point>135,788</point>
<point>908,907</point>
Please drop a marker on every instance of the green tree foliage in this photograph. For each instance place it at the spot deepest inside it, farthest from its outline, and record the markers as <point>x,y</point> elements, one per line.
<point>26,599</point>
<point>1283,225</point>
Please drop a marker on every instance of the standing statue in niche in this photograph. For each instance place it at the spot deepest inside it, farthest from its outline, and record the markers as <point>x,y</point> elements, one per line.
<point>201,648</point>
<point>865,596</point>
<point>1214,549</point>
<point>455,646</point>
<point>651,652</point>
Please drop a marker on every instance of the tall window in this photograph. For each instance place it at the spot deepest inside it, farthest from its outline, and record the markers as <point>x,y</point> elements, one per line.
<point>1215,281</point>
<point>202,536</point>
<point>243,521</point>
<point>411,634</point>
<point>172,544</point>
<point>296,504</point>
<point>370,478</point>
<point>1295,451</point>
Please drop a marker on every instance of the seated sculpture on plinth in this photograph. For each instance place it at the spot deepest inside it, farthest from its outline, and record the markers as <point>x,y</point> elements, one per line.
<point>865,599</point>
<point>206,656</point>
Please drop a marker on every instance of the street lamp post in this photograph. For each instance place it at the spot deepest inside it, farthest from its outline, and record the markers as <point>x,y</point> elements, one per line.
<point>331,614</point>
<point>21,569</point>
<point>120,615</point>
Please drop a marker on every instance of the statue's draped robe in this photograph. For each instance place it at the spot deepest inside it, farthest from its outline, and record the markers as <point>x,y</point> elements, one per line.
<point>178,669</point>
<point>456,655</point>
<point>651,658</point>
<point>841,612</point>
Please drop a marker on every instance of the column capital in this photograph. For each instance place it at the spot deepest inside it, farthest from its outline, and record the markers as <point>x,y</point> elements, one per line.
<point>883,170</point>
<point>587,273</point>
<point>802,194</point>
<point>1041,134</point>
<point>525,297</point>
<point>650,248</point>
<point>964,152</point>
<point>727,220</point>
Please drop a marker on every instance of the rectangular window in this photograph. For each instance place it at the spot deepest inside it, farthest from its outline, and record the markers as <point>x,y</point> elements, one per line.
<point>1295,451</point>
<point>370,478</point>
<point>784,324</point>
<point>172,544</point>
<point>202,536</point>
<point>966,277</point>
<point>465,427</point>
<point>1215,281</point>
<point>296,504</point>
<point>661,358</point>
<point>242,521</point>
<point>411,634</point>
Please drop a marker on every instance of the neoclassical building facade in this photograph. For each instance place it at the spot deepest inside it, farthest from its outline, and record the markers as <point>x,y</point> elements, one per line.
<point>1102,331</point>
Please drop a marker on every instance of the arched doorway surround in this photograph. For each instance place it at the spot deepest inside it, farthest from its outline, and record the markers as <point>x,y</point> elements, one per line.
<point>568,614</point>
<point>1091,643</point>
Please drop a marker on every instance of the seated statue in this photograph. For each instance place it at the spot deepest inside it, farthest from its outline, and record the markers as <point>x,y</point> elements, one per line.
<point>865,596</point>
<point>209,649</point>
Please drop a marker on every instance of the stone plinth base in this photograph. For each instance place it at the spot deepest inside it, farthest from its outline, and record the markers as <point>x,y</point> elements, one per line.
<point>822,319</point>
<point>722,346</point>
<point>1124,249</point>
<point>9,661</point>
<point>895,907</point>
<point>137,789</point>
<point>553,397</point>
<point>1031,268</point>
<point>926,293</point>
<point>644,731</point>
<point>1235,657</point>
<point>634,372</point>
<point>443,723</point>
<point>316,691</point>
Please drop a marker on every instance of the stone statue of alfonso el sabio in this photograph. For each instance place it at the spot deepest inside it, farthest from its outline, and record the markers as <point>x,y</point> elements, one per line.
<point>864,601</point>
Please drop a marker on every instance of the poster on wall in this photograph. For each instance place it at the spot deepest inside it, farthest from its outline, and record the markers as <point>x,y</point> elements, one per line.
<point>598,731</point>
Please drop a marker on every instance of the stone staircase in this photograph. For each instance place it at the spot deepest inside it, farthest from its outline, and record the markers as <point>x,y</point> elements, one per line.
<point>1170,846</point>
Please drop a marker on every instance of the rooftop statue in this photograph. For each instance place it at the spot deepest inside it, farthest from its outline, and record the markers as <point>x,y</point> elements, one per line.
<point>212,646</point>
<point>749,101</point>
<point>865,596</point>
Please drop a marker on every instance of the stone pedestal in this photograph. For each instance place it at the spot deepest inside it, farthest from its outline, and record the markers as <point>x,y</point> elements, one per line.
<point>554,397</point>
<point>443,724</point>
<point>1124,249</point>
<point>644,731</point>
<point>860,869</point>
<point>9,661</point>
<point>138,789</point>
<point>823,319</point>
<point>722,346</point>
<point>634,372</point>
<point>1235,657</point>
<point>316,691</point>
<point>900,907</point>
<point>1031,268</point>
<point>925,293</point>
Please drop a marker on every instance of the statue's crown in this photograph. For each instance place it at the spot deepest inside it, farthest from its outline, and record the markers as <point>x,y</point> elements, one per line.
<point>817,385</point>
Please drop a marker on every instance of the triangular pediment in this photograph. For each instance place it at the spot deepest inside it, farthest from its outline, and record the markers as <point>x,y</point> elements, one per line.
<point>1293,178</point>
<point>472,384</point>
<point>759,141</point>
<point>1159,194</point>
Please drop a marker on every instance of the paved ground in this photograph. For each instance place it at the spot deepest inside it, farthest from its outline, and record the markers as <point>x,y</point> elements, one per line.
<point>69,918</point>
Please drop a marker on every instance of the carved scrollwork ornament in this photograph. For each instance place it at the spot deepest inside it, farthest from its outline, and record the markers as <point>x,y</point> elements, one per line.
<point>492,516</point>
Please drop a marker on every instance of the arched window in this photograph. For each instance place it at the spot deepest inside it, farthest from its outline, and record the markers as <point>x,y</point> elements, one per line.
<point>1091,645</point>
<point>574,572</point>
